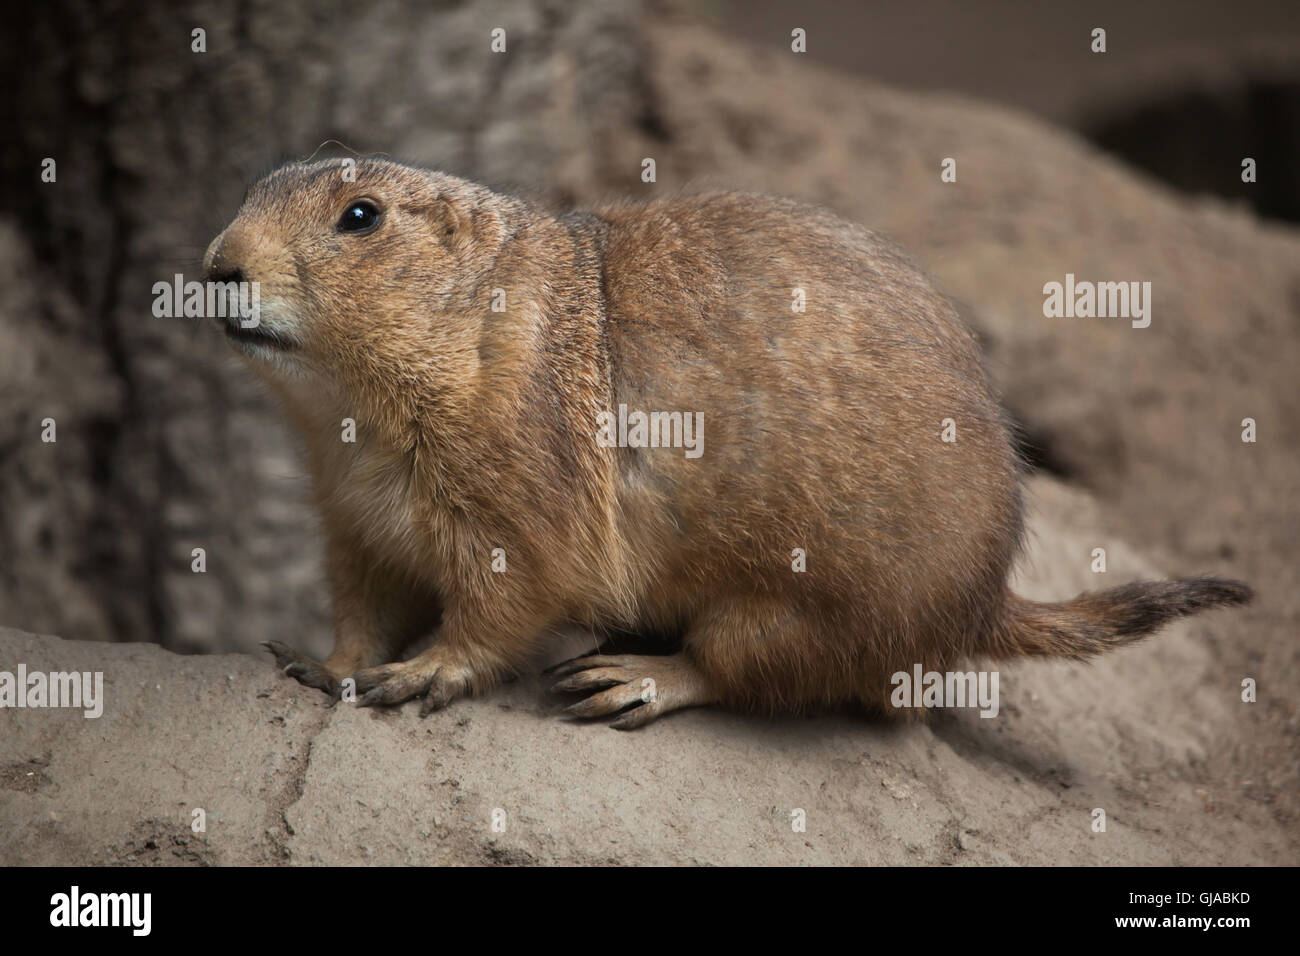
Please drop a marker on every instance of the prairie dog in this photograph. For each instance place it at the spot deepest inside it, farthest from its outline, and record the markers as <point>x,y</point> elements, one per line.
<point>824,537</point>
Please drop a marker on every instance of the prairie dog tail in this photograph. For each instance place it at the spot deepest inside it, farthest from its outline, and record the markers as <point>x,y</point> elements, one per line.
<point>1099,620</point>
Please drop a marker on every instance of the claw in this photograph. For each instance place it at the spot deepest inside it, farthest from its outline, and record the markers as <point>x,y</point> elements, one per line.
<point>583,662</point>
<point>606,702</point>
<point>590,680</point>
<point>302,668</point>
<point>439,695</point>
<point>284,654</point>
<point>389,692</point>
<point>636,717</point>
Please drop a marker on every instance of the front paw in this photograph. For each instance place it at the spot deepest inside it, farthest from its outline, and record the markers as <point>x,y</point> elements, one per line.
<point>303,669</point>
<point>438,682</point>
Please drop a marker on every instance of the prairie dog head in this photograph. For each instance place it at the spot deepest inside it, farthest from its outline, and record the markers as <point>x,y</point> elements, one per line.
<point>363,270</point>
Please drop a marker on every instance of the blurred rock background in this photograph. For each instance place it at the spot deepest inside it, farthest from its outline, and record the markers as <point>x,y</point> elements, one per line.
<point>1104,166</point>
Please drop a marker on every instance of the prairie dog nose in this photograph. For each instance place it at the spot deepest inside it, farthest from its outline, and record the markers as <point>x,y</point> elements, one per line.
<point>218,263</point>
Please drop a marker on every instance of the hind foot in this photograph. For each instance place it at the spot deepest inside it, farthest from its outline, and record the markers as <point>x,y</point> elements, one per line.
<point>639,688</point>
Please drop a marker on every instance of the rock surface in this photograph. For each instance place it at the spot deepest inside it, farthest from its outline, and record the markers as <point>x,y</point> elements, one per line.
<point>283,777</point>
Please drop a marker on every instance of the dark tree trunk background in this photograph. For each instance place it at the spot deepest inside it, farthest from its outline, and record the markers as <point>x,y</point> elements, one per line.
<point>164,443</point>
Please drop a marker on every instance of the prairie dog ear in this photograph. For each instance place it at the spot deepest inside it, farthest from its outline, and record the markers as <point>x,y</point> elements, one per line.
<point>452,219</point>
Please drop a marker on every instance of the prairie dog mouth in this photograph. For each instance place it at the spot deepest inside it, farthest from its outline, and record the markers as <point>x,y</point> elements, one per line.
<point>256,336</point>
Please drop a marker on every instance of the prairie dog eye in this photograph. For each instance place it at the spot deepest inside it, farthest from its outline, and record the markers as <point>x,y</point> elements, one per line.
<point>361,216</point>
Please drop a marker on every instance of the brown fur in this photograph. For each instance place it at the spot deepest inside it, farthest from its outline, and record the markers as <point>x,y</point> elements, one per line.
<point>477,430</point>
